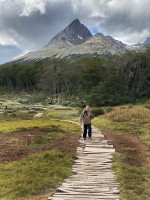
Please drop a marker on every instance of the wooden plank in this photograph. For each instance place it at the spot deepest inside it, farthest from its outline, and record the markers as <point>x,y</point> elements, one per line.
<point>93,176</point>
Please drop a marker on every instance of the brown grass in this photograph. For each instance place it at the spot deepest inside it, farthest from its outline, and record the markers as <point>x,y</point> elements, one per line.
<point>138,115</point>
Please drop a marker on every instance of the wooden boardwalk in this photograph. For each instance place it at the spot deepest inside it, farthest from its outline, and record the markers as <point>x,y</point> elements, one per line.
<point>93,177</point>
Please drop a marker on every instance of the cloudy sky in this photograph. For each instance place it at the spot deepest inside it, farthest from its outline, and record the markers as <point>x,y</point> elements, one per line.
<point>26,25</point>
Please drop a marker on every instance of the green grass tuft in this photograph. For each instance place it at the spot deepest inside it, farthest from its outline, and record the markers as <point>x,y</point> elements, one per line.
<point>33,174</point>
<point>20,125</point>
<point>60,114</point>
<point>133,180</point>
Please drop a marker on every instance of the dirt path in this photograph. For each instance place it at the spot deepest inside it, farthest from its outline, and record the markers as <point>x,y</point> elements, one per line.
<point>131,146</point>
<point>93,176</point>
<point>17,145</point>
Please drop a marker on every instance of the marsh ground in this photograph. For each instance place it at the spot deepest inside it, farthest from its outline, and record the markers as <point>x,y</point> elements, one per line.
<point>36,154</point>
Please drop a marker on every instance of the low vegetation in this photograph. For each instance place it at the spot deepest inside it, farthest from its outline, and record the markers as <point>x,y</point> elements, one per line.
<point>36,154</point>
<point>97,111</point>
<point>33,174</point>
<point>63,114</point>
<point>127,127</point>
<point>22,125</point>
<point>134,115</point>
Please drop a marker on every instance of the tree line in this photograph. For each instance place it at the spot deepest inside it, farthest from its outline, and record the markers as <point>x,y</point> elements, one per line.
<point>98,81</point>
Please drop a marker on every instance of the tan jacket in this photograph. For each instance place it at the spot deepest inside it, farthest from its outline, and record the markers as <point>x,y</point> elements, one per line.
<point>86,117</point>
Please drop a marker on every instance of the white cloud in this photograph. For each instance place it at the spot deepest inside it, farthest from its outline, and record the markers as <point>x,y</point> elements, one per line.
<point>5,38</point>
<point>30,24</point>
<point>94,7</point>
<point>123,19</point>
<point>112,17</point>
<point>29,6</point>
<point>133,38</point>
<point>7,41</point>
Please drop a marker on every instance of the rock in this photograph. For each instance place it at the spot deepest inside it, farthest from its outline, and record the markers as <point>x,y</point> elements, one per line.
<point>147,41</point>
<point>74,34</point>
<point>75,41</point>
<point>38,115</point>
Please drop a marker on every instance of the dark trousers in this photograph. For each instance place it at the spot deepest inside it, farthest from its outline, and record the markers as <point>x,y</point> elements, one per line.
<point>89,128</point>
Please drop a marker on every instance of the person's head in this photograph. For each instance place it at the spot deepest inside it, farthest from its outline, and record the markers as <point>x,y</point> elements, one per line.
<point>87,108</point>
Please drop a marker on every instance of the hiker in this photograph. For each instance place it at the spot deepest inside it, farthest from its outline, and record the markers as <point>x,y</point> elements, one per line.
<point>85,118</point>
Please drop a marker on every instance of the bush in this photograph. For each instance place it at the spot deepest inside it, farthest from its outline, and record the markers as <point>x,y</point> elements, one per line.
<point>108,109</point>
<point>80,111</point>
<point>78,104</point>
<point>97,111</point>
<point>38,97</point>
<point>66,103</point>
<point>147,106</point>
<point>81,104</point>
<point>130,106</point>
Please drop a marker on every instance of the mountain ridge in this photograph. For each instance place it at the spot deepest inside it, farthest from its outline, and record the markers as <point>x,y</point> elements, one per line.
<point>147,41</point>
<point>75,33</point>
<point>76,40</point>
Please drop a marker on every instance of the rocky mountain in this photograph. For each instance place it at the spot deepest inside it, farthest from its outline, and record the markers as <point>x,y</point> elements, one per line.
<point>76,41</point>
<point>135,47</point>
<point>75,34</point>
<point>147,41</point>
<point>139,46</point>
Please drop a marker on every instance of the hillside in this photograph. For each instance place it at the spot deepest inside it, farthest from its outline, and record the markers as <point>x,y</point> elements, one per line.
<point>76,41</point>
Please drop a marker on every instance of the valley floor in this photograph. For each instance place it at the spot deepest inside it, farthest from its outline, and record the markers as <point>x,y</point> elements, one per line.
<point>36,154</point>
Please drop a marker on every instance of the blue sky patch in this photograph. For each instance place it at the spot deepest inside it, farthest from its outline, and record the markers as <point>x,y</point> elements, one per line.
<point>94,30</point>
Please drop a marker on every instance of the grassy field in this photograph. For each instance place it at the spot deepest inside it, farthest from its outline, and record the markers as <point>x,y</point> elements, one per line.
<point>20,125</point>
<point>41,150</point>
<point>37,166</point>
<point>128,129</point>
<point>33,174</point>
<point>63,114</point>
<point>134,120</point>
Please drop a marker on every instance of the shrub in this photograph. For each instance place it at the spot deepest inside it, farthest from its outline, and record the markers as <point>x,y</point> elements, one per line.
<point>108,109</point>
<point>80,111</point>
<point>66,103</point>
<point>97,111</point>
<point>147,106</point>
<point>38,97</point>
<point>130,106</point>
<point>39,139</point>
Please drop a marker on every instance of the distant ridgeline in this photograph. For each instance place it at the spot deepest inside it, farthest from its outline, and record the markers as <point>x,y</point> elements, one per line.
<point>97,81</point>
